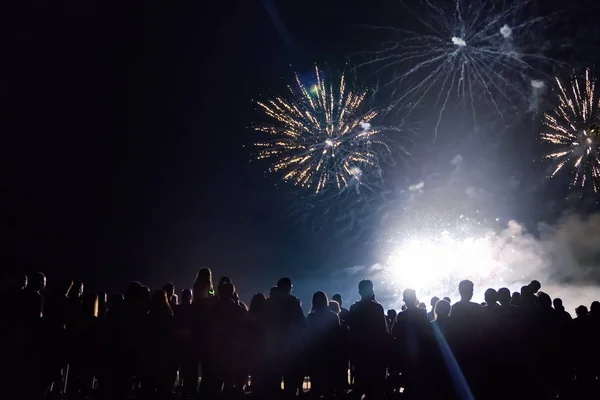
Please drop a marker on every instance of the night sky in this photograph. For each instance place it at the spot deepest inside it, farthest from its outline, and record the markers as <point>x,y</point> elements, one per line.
<point>125,140</point>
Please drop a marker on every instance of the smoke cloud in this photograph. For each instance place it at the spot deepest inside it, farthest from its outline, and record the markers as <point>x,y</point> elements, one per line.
<point>564,257</point>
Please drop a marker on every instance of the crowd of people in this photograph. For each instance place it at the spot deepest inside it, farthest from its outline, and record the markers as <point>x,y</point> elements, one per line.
<point>207,343</point>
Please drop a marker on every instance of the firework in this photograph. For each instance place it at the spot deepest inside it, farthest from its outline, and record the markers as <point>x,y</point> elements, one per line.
<point>573,127</point>
<point>465,54</point>
<point>435,266</point>
<point>320,139</point>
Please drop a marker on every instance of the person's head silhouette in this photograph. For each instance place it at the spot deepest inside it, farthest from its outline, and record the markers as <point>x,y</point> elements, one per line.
<point>434,301</point>
<point>558,304</point>
<point>169,288</point>
<point>465,289</point>
<point>77,289</point>
<point>335,306</point>
<point>186,296</point>
<point>37,282</point>
<point>409,296</point>
<point>337,297</point>
<point>284,285</point>
<point>581,311</point>
<point>226,290</point>
<point>595,309</point>
<point>491,297</point>
<point>515,299</point>
<point>319,301</point>
<point>365,289</point>
<point>442,310</point>
<point>391,314</point>
<point>535,286</point>
<point>257,303</point>
<point>203,285</point>
<point>504,296</point>
<point>544,300</point>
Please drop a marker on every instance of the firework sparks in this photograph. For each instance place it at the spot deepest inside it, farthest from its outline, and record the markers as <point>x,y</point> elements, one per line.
<point>320,138</point>
<point>435,266</point>
<point>466,53</point>
<point>574,127</point>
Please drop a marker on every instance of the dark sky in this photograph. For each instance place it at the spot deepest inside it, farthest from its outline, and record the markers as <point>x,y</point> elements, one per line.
<point>123,157</point>
<point>123,145</point>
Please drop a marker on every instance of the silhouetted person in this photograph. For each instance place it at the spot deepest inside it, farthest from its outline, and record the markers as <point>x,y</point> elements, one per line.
<point>595,309</point>
<point>368,338</point>
<point>341,368</point>
<point>391,317</point>
<point>583,358</point>
<point>335,307</point>
<point>535,286</point>
<point>527,298</point>
<point>256,344</point>
<point>491,303</point>
<point>344,312</point>
<point>203,286</point>
<point>203,302</point>
<point>286,329</point>
<point>131,335</point>
<point>227,333</point>
<point>442,314</point>
<point>516,299</point>
<point>504,297</point>
<point>563,315</point>
<point>84,346</point>
<point>161,365</point>
<point>36,282</point>
<point>22,347</point>
<point>76,291</point>
<point>273,291</point>
<point>508,312</point>
<point>440,366</point>
<point>468,320</point>
<point>324,335</point>
<point>169,289</point>
<point>410,331</point>
<point>448,299</point>
<point>432,303</point>
<point>102,305</point>
<point>74,304</point>
<point>594,318</point>
<point>31,298</point>
<point>466,311</point>
<point>187,359</point>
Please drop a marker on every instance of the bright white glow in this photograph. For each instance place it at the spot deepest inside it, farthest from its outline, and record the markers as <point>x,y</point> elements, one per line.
<point>459,41</point>
<point>356,172</point>
<point>416,187</point>
<point>537,84</point>
<point>436,266</point>
<point>365,125</point>
<point>505,31</point>
<point>329,142</point>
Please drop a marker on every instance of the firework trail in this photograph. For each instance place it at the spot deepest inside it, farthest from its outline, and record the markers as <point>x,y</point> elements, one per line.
<point>465,53</point>
<point>574,127</point>
<point>320,138</point>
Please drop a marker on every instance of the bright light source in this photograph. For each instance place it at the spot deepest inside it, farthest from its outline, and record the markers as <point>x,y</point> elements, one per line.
<point>436,266</point>
<point>459,41</point>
